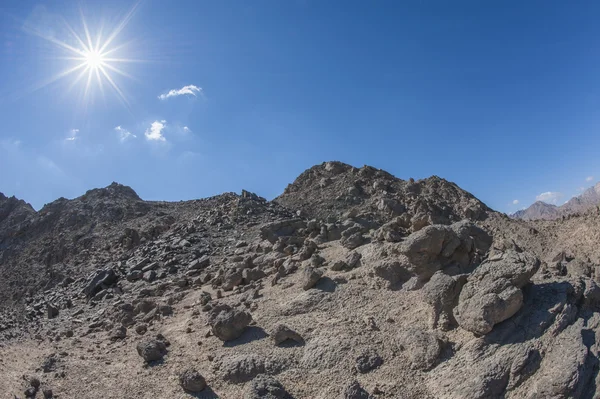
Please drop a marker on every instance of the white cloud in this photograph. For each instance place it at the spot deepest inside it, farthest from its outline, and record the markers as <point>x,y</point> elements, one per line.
<point>154,132</point>
<point>185,90</point>
<point>589,178</point>
<point>124,134</point>
<point>72,135</point>
<point>550,197</point>
<point>187,129</point>
<point>515,202</point>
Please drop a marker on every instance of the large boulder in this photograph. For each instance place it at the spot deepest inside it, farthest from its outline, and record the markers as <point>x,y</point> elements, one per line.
<point>460,245</point>
<point>493,291</point>
<point>228,323</point>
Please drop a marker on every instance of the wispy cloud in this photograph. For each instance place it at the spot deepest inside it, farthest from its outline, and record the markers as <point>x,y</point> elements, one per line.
<point>154,132</point>
<point>589,178</point>
<point>124,134</point>
<point>72,135</point>
<point>189,90</point>
<point>515,202</point>
<point>187,129</point>
<point>550,197</point>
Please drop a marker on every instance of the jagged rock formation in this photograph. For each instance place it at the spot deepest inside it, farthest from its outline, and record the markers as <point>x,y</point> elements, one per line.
<point>351,284</point>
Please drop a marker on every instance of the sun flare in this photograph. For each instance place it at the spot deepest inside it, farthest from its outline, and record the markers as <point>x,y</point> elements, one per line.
<point>94,58</point>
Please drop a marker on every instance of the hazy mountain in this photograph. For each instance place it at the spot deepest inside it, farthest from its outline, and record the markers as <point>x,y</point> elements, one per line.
<point>580,203</point>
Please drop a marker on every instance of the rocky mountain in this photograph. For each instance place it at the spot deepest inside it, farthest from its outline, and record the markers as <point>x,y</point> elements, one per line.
<point>352,284</point>
<point>538,210</point>
<point>589,199</point>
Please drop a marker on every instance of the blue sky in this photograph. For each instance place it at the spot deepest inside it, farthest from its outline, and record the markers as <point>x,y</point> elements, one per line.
<point>499,97</point>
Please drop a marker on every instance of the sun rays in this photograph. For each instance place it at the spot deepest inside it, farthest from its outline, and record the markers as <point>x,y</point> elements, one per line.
<point>93,60</point>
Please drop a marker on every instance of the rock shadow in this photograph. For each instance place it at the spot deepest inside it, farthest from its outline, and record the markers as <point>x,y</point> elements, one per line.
<point>326,284</point>
<point>207,393</point>
<point>591,367</point>
<point>290,343</point>
<point>535,316</point>
<point>252,333</point>
<point>155,363</point>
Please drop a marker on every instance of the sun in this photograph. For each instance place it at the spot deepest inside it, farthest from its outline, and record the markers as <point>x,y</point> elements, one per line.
<point>93,58</point>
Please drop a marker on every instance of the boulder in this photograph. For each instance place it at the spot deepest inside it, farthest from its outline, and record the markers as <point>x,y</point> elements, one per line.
<point>310,277</point>
<point>238,369</point>
<point>99,280</point>
<point>493,291</point>
<point>232,279</point>
<point>442,292</point>
<point>152,350</point>
<point>192,381</point>
<point>228,323</point>
<point>353,241</point>
<point>367,361</point>
<point>355,391</point>
<point>282,333</point>
<point>420,347</point>
<point>265,387</point>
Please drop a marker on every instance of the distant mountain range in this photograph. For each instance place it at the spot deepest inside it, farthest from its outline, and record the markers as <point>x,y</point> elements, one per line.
<point>542,210</point>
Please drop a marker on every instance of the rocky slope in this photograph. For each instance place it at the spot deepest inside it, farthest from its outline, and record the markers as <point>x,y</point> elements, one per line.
<point>589,199</point>
<point>352,284</point>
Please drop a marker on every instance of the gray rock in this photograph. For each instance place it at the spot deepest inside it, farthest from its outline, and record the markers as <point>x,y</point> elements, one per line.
<point>205,298</point>
<point>238,369</point>
<point>228,323</point>
<point>231,279</point>
<point>192,381</point>
<point>117,333</point>
<point>310,277</point>
<point>442,292</point>
<point>99,280</point>
<point>420,347</point>
<point>134,275</point>
<point>265,387</point>
<point>52,311</point>
<point>282,333</point>
<point>152,350</point>
<point>368,361</point>
<point>493,292</point>
<point>149,276</point>
<point>250,275</point>
<point>353,241</point>
<point>199,264</point>
<point>354,391</point>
